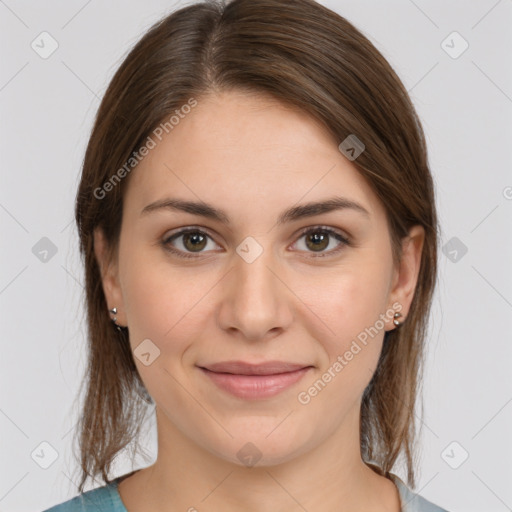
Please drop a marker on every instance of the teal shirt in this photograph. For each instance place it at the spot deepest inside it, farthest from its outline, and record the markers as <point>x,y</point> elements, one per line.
<point>107,499</point>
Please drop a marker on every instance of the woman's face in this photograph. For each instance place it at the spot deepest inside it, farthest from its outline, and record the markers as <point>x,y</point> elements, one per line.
<point>250,286</point>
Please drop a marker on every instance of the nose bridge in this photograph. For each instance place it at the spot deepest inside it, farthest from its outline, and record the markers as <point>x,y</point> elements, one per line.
<point>256,284</point>
<point>254,278</point>
<point>256,298</point>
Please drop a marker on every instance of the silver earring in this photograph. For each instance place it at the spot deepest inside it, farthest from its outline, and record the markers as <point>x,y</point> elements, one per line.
<point>395,321</point>
<point>113,311</point>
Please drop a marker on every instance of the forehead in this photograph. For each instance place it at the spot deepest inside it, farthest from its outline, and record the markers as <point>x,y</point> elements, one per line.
<point>245,149</point>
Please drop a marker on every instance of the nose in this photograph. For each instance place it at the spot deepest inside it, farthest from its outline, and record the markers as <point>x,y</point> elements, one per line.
<point>256,303</point>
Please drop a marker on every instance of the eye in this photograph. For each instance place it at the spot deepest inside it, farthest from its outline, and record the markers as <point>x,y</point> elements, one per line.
<point>193,240</point>
<point>318,238</point>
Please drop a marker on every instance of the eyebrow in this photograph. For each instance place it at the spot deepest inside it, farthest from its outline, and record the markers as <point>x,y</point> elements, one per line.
<point>292,214</point>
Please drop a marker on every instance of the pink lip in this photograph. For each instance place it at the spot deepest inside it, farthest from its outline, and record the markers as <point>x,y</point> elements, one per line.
<point>252,381</point>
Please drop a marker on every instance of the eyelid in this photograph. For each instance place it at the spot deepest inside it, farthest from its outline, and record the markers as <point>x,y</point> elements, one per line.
<point>329,229</point>
<point>342,237</point>
<point>188,229</point>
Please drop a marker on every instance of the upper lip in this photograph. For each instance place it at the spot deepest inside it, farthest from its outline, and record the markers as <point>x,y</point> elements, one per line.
<point>243,368</point>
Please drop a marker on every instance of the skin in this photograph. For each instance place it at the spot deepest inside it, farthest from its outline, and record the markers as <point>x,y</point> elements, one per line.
<point>253,157</point>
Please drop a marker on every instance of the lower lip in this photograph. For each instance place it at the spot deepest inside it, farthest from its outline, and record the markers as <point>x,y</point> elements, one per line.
<point>255,386</point>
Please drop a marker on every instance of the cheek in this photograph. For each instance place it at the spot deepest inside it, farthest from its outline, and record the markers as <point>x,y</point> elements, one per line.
<point>162,303</point>
<point>162,306</point>
<point>349,302</point>
<point>351,298</point>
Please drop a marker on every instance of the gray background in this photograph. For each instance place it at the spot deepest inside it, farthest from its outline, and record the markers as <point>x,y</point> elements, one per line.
<point>47,107</point>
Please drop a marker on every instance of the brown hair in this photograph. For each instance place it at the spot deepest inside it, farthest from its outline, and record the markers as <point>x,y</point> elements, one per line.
<point>304,55</point>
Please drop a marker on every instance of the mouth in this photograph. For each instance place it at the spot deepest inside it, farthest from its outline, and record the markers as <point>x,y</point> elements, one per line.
<point>255,381</point>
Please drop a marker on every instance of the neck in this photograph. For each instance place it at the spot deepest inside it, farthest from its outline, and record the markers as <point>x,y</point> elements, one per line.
<point>330,477</point>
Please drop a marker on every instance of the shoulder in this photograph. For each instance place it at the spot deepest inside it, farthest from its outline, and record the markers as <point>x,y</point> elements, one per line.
<point>104,498</point>
<point>412,502</point>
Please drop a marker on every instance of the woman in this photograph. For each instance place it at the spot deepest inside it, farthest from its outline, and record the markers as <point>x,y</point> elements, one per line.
<point>258,226</point>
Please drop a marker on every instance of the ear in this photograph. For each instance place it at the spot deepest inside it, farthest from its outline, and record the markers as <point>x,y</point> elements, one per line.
<point>107,263</point>
<point>406,273</point>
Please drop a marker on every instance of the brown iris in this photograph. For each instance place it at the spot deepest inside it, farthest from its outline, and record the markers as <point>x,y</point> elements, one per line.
<point>194,241</point>
<point>317,240</point>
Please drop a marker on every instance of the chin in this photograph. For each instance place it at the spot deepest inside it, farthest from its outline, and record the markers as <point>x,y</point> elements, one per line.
<point>256,448</point>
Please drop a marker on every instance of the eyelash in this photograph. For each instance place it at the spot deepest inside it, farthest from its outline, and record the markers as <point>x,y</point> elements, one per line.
<point>323,229</point>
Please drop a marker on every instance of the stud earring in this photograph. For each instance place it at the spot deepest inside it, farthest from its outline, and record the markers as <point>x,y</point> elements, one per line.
<point>395,321</point>
<point>113,311</point>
